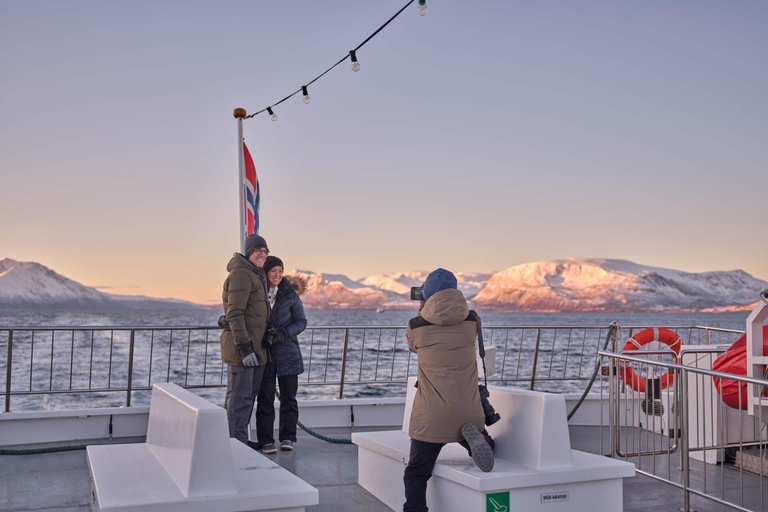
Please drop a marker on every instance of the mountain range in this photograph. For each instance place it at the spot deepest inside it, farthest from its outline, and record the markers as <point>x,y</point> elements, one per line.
<point>575,284</point>
<point>29,285</point>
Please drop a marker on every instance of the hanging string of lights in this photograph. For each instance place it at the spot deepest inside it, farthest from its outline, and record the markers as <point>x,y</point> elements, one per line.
<point>352,55</point>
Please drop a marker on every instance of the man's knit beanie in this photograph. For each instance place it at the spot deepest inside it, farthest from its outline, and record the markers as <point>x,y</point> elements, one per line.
<point>253,242</point>
<point>437,280</point>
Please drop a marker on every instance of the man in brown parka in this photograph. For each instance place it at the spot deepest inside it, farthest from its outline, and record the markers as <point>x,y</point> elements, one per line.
<point>446,408</point>
<point>246,307</point>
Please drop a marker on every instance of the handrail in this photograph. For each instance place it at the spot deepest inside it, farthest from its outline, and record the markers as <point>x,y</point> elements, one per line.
<point>129,359</point>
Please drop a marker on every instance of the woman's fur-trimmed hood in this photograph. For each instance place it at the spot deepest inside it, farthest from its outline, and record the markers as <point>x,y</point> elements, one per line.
<point>298,283</point>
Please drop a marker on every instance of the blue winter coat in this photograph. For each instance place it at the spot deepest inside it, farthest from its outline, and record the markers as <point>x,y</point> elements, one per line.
<point>287,316</point>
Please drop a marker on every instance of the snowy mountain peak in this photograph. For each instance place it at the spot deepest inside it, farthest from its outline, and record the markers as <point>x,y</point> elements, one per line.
<point>593,284</point>
<point>30,284</point>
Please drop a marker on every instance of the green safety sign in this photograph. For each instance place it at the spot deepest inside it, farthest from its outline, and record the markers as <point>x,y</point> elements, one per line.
<point>497,502</point>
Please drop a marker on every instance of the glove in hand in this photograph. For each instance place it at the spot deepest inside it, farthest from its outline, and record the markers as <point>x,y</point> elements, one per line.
<point>223,323</point>
<point>280,336</point>
<point>249,357</point>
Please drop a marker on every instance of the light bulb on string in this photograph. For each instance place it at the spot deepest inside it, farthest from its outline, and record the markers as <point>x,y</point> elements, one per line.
<point>272,115</point>
<point>422,9</point>
<point>305,93</point>
<point>355,64</point>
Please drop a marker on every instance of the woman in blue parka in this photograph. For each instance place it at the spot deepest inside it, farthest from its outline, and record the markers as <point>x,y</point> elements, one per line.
<point>287,322</point>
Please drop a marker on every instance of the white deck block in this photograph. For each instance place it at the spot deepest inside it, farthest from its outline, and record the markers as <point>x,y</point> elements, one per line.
<point>186,434</point>
<point>533,430</point>
<point>534,463</point>
<point>190,464</point>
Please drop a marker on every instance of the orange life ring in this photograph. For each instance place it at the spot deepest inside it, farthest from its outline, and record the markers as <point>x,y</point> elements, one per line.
<point>660,334</point>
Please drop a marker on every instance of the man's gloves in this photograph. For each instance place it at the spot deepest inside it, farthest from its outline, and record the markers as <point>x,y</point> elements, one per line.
<point>246,352</point>
<point>223,323</point>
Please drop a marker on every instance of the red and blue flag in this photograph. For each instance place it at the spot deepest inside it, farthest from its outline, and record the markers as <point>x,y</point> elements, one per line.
<point>251,196</point>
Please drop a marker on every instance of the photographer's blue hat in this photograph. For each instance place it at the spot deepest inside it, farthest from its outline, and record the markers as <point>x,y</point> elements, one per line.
<point>437,280</point>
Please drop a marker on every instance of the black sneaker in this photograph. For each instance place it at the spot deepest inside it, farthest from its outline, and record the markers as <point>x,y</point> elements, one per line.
<point>481,451</point>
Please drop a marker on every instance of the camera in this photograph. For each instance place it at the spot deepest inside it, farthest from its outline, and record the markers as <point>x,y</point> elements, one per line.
<point>417,293</point>
<point>491,416</point>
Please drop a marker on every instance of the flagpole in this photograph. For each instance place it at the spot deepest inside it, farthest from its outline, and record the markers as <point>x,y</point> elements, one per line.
<point>240,114</point>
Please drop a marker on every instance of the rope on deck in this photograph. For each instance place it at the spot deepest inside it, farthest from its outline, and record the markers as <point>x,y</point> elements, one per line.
<point>613,330</point>
<point>35,451</point>
<point>335,440</point>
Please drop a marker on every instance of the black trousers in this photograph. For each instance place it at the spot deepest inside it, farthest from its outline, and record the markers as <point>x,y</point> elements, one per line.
<point>265,409</point>
<point>421,462</point>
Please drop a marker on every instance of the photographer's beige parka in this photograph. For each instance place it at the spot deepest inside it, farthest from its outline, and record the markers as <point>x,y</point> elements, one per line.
<point>246,306</point>
<point>447,397</point>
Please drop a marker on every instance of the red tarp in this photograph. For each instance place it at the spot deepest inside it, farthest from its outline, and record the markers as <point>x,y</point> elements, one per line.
<point>734,360</point>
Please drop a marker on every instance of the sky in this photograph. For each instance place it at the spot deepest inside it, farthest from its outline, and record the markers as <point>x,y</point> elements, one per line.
<point>484,135</point>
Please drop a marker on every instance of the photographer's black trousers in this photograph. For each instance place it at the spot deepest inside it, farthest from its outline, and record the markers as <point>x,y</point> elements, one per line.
<point>289,409</point>
<point>419,469</point>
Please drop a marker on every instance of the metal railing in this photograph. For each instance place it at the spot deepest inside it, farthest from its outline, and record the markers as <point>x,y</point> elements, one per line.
<point>685,435</point>
<point>56,367</point>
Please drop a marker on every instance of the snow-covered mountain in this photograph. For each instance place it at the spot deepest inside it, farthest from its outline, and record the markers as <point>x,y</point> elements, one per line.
<point>401,282</point>
<point>336,291</point>
<point>613,285</point>
<point>29,284</point>
<point>558,285</point>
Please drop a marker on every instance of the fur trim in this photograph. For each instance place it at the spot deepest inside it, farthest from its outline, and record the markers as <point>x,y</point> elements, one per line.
<point>298,283</point>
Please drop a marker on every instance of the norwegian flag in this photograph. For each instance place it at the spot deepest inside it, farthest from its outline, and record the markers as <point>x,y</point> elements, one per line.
<point>251,196</point>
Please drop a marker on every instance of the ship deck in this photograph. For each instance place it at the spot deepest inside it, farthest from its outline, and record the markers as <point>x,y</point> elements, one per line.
<point>60,481</point>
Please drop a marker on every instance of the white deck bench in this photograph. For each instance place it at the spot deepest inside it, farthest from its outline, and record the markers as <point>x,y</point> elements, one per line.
<point>189,463</point>
<point>535,467</point>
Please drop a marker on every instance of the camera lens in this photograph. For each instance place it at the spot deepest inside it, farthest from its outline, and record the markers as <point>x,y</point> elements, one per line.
<point>491,416</point>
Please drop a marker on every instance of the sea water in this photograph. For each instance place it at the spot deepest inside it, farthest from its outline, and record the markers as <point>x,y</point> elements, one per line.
<point>63,360</point>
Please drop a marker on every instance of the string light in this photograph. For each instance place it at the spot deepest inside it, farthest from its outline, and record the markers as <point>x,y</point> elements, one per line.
<point>352,55</point>
<point>355,64</point>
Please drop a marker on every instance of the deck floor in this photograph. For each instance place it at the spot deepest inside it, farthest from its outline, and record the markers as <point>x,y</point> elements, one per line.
<point>60,481</point>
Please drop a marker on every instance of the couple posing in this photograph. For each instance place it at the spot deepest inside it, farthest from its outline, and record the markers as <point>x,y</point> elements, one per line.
<point>263,316</point>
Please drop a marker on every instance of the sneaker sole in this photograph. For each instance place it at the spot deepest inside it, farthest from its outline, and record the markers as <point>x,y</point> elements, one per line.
<point>287,448</point>
<point>482,453</point>
<point>269,452</point>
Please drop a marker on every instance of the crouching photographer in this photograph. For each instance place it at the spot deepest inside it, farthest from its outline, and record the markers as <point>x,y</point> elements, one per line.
<point>448,407</point>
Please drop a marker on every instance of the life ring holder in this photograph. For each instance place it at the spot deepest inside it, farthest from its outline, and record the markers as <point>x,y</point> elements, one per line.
<point>642,338</point>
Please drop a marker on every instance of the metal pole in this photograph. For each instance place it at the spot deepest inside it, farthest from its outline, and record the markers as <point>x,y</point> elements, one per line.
<point>8,373</point>
<point>240,114</point>
<point>343,363</point>
<point>684,445</point>
<point>535,357</point>
<point>130,369</point>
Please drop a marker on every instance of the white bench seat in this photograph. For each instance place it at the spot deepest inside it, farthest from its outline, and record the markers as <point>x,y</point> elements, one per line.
<point>454,464</point>
<point>190,464</point>
<point>535,467</point>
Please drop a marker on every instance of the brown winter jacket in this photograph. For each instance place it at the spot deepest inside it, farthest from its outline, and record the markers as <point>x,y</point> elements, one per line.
<point>246,306</point>
<point>447,397</point>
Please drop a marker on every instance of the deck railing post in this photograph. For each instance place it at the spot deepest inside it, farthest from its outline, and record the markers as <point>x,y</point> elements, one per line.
<point>684,445</point>
<point>535,357</point>
<point>130,369</point>
<point>8,373</point>
<point>343,362</point>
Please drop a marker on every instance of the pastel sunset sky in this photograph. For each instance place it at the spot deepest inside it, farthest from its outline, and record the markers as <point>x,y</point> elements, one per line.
<point>483,135</point>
